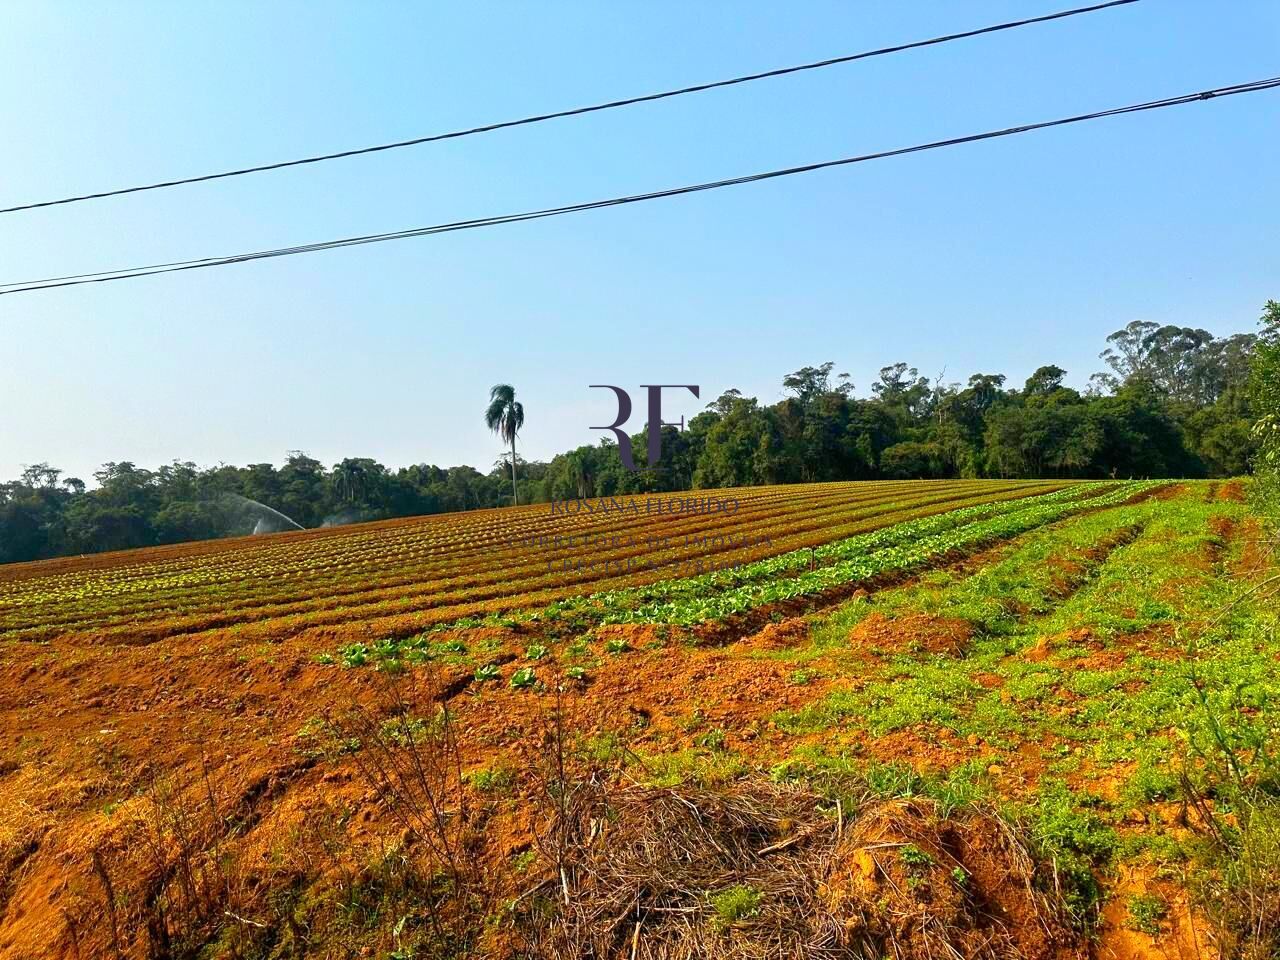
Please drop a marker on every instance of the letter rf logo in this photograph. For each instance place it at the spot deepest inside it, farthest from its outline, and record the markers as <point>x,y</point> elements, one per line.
<point>655,422</point>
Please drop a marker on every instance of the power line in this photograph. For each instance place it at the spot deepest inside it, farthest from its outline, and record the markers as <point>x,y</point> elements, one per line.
<point>180,265</point>
<point>576,111</point>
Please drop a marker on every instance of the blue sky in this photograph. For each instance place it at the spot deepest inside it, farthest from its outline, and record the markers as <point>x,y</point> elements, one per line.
<point>996,257</point>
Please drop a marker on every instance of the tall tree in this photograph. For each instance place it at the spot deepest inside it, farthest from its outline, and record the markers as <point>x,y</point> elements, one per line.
<point>809,383</point>
<point>1264,387</point>
<point>505,417</point>
<point>1044,381</point>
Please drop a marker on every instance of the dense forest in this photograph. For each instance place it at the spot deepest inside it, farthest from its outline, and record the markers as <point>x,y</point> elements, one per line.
<point>1174,401</point>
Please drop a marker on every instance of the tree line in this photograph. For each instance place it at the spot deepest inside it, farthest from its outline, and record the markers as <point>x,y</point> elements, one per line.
<point>1173,402</point>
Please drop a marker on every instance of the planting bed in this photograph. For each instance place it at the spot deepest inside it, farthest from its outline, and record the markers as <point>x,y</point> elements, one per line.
<point>916,719</point>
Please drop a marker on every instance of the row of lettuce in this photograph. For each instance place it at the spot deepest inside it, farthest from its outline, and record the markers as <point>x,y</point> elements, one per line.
<point>905,547</point>
<point>721,594</point>
<point>641,604</point>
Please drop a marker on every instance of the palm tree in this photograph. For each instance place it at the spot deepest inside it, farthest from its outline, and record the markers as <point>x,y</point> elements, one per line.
<point>505,416</point>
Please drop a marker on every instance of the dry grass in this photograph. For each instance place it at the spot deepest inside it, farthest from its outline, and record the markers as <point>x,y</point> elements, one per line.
<point>760,871</point>
<point>413,763</point>
<point>161,882</point>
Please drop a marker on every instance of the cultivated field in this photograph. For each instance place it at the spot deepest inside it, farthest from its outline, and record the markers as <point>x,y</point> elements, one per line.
<point>918,719</point>
<point>408,574</point>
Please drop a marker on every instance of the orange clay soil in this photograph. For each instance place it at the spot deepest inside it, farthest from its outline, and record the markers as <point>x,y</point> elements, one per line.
<point>89,732</point>
<point>83,730</point>
<point>86,730</point>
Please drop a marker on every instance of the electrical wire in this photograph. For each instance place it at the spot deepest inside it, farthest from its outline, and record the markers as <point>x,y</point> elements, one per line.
<point>574,112</point>
<point>182,265</point>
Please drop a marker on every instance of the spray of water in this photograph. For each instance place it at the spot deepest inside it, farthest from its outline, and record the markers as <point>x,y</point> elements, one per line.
<point>264,519</point>
<point>350,515</point>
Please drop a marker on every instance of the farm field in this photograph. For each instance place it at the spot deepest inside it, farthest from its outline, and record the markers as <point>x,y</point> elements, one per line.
<point>916,719</point>
<point>409,574</point>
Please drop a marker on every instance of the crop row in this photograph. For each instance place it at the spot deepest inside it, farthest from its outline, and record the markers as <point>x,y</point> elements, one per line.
<point>794,526</point>
<point>410,543</point>
<point>351,547</point>
<point>796,561</point>
<point>901,547</point>
<point>901,557</point>
<point>818,514</point>
<point>418,547</point>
